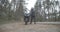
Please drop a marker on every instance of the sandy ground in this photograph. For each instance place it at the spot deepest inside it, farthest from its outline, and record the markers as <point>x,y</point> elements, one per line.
<point>20,27</point>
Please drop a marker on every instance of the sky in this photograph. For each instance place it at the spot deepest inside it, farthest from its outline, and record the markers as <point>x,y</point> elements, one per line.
<point>30,4</point>
<point>10,1</point>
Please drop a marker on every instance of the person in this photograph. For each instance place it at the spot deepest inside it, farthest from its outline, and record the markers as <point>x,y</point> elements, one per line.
<point>32,16</point>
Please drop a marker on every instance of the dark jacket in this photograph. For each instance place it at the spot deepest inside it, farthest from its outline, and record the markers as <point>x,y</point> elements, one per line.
<point>32,13</point>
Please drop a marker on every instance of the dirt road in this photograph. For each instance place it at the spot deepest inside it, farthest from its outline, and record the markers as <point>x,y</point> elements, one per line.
<point>20,27</point>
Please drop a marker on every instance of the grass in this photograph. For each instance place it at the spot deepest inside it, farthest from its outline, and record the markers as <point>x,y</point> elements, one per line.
<point>6,21</point>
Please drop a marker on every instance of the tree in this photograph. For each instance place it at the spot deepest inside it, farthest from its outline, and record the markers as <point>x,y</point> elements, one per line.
<point>19,10</point>
<point>4,7</point>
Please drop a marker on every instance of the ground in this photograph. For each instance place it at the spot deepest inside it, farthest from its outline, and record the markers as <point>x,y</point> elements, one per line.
<point>20,27</point>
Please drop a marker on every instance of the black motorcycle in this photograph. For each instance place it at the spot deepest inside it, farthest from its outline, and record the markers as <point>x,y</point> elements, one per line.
<point>26,19</point>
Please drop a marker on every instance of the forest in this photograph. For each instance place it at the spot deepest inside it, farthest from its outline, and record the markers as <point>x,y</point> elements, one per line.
<point>46,10</point>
